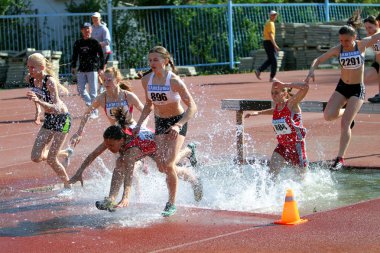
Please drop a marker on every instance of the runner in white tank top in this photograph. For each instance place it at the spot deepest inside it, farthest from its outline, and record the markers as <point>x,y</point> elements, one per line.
<point>164,92</point>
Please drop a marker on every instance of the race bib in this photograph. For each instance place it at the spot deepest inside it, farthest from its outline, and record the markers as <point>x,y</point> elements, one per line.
<point>351,60</point>
<point>281,127</point>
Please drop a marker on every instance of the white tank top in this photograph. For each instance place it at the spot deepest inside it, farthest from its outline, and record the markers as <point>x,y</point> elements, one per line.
<point>162,94</point>
<point>110,107</point>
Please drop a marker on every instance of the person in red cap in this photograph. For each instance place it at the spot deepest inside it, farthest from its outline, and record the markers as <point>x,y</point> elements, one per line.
<point>270,46</point>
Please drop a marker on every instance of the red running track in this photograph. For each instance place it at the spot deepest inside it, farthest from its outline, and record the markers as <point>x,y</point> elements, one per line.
<point>39,222</point>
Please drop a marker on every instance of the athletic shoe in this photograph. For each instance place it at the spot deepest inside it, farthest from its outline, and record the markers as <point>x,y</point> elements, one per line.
<point>169,210</point>
<point>192,158</point>
<point>94,114</point>
<point>258,73</point>
<point>352,124</point>
<point>338,164</point>
<point>66,161</point>
<point>274,79</point>
<point>198,190</point>
<point>375,99</point>
<point>106,204</point>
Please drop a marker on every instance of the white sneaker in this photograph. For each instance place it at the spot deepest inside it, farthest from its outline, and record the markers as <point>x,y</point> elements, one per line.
<point>66,161</point>
<point>94,115</point>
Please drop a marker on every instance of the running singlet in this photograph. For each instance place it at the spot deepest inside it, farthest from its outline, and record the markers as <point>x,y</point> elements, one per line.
<point>162,94</point>
<point>144,141</point>
<point>376,47</point>
<point>288,126</point>
<point>42,93</point>
<point>352,59</point>
<point>111,107</point>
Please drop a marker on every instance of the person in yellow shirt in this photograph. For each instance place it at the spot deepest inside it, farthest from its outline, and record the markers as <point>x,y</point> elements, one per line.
<point>270,47</point>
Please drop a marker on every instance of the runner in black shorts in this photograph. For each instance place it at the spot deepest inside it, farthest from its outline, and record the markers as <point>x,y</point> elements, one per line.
<point>44,93</point>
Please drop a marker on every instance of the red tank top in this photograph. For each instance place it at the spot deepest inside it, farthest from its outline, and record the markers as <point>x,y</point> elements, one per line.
<point>288,125</point>
<point>144,141</point>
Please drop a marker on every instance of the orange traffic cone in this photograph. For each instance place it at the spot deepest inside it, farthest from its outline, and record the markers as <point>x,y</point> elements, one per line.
<point>290,214</point>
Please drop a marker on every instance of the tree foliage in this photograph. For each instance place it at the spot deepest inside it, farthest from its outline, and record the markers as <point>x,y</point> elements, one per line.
<point>15,7</point>
<point>85,6</point>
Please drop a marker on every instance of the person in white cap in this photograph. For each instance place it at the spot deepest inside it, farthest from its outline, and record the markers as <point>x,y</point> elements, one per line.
<point>270,46</point>
<point>101,33</point>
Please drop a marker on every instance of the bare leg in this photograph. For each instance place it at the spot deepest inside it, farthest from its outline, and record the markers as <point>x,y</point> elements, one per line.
<point>39,150</point>
<point>123,173</point>
<point>334,106</point>
<point>353,106</point>
<point>183,153</point>
<point>370,74</point>
<point>53,161</point>
<point>276,163</point>
<point>166,156</point>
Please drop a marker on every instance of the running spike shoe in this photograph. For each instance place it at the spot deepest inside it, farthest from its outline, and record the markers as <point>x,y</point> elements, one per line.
<point>107,204</point>
<point>169,210</point>
<point>192,158</point>
<point>338,164</point>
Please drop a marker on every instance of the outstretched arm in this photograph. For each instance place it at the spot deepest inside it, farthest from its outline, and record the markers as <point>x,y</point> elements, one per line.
<point>148,107</point>
<point>89,159</point>
<point>333,52</point>
<point>302,87</point>
<point>262,112</point>
<point>76,138</point>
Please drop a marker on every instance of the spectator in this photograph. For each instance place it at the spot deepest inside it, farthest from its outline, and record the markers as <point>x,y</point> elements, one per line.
<point>91,63</point>
<point>101,33</point>
<point>270,47</point>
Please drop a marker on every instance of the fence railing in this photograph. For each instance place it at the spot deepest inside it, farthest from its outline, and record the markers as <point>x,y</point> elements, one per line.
<point>196,35</point>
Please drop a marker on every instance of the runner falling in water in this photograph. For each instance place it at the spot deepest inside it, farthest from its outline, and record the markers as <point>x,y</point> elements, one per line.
<point>119,139</point>
<point>287,123</point>
<point>119,96</point>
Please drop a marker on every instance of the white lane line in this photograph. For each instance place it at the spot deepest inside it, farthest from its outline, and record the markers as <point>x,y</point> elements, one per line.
<point>7,149</point>
<point>210,238</point>
<point>15,164</point>
<point>16,134</point>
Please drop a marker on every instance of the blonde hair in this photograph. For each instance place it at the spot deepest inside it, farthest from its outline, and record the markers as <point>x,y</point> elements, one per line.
<point>124,85</point>
<point>166,55</point>
<point>40,60</point>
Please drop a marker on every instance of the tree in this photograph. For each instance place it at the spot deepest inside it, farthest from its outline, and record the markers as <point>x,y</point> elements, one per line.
<point>15,7</point>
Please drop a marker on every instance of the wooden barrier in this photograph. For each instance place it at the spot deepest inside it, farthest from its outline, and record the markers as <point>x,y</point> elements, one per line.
<point>241,105</point>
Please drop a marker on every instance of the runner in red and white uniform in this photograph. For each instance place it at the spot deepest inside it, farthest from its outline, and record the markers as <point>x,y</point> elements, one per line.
<point>287,124</point>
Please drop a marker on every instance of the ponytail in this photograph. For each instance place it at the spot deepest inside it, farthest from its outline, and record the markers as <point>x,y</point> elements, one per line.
<point>50,71</point>
<point>121,118</point>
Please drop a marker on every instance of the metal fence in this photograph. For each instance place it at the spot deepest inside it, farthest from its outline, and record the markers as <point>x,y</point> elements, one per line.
<point>196,35</point>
